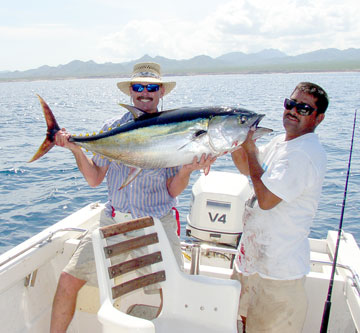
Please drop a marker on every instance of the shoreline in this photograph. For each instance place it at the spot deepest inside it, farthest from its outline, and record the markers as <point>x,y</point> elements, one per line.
<point>126,75</point>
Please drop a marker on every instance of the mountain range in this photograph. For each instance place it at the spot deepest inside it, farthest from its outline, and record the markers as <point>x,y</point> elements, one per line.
<point>266,61</point>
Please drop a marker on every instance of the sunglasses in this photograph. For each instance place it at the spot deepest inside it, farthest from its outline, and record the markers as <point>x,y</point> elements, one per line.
<point>301,108</point>
<point>137,87</point>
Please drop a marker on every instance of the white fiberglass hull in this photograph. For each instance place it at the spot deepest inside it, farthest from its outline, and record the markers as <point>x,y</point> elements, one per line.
<point>29,275</point>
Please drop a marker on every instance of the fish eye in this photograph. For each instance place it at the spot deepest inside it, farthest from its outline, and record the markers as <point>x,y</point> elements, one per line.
<point>243,119</point>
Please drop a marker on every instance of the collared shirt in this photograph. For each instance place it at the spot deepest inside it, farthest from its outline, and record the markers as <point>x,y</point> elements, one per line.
<point>146,195</point>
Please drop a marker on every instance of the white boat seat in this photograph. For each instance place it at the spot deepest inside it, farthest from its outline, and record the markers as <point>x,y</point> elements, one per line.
<point>191,303</point>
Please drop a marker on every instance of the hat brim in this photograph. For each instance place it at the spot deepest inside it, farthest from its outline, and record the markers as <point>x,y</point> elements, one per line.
<point>125,85</point>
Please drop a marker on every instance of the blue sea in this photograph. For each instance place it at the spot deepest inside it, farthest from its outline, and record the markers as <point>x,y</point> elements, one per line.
<point>35,195</point>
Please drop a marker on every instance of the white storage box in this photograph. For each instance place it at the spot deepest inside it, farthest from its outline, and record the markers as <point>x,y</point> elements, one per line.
<point>217,207</point>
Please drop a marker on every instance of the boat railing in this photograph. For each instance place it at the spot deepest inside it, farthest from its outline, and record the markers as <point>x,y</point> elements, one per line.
<point>354,276</point>
<point>198,249</point>
<point>40,242</point>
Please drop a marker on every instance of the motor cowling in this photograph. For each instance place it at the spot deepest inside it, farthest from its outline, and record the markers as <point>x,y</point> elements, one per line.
<point>217,207</point>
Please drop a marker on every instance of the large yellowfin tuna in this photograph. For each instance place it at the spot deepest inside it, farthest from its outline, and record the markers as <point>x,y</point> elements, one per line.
<point>164,139</point>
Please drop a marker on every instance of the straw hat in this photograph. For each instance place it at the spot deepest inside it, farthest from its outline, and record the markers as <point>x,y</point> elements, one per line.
<point>148,72</point>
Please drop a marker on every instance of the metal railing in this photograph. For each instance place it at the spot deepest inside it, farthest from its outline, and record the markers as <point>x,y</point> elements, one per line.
<point>197,250</point>
<point>355,277</point>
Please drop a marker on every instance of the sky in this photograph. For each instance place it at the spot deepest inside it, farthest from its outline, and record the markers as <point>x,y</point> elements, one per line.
<point>45,32</point>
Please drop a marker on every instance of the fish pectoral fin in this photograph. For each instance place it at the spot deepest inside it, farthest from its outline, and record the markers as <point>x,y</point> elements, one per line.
<point>131,176</point>
<point>198,134</point>
<point>134,111</point>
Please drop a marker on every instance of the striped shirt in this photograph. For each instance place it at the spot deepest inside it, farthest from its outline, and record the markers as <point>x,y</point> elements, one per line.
<point>146,195</point>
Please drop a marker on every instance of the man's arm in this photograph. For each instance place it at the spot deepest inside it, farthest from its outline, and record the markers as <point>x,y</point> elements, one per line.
<point>177,184</point>
<point>92,173</point>
<point>240,160</point>
<point>266,199</point>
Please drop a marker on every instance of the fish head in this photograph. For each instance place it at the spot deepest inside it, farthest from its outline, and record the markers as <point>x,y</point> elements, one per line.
<point>229,129</point>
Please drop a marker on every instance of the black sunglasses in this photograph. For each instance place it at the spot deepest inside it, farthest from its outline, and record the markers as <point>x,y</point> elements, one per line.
<point>137,87</point>
<point>301,108</point>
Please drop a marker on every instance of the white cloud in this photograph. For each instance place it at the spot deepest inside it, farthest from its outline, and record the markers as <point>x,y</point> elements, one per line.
<point>249,26</point>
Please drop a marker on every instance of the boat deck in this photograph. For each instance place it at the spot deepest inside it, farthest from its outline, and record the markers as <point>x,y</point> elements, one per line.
<point>29,274</point>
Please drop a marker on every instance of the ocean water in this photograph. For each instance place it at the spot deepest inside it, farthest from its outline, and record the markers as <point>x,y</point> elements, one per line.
<point>36,195</point>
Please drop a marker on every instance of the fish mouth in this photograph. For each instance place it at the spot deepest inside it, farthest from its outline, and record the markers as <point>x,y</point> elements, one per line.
<point>257,120</point>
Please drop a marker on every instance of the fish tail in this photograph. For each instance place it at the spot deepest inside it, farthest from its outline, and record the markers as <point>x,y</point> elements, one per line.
<point>52,129</point>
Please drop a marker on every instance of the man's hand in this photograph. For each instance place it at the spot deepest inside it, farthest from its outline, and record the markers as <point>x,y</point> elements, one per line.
<point>240,155</point>
<point>62,139</point>
<point>204,163</point>
<point>249,144</point>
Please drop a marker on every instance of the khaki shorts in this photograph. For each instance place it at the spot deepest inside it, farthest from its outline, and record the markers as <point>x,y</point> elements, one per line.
<point>272,305</point>
<point>82,263</point>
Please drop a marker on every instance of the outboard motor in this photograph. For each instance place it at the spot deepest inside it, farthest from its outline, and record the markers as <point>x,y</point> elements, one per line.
<point>217,207</point>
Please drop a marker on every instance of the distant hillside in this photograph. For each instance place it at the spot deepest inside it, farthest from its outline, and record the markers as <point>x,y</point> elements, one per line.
<point>235,62</point>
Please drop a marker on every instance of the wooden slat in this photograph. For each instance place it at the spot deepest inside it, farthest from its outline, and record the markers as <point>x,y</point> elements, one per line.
<point>130,244</point>
<point>120,228</point>
<point>134,264</point>
<point>138,283</point>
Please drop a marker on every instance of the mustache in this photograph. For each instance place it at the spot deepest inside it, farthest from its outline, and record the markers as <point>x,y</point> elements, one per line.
<point>291,115</point>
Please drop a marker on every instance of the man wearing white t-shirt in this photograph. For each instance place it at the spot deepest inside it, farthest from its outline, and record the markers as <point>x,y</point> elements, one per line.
<point>274,254</point>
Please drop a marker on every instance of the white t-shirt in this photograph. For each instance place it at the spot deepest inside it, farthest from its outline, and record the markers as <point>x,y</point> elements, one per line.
<point>275,242</point>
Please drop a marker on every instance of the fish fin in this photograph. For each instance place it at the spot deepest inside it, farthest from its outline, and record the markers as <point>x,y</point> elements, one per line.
<point>134,172</point>
<point>135,111</point>
<point>199,134</point>
<point>52,129</point>
<point>43,149</point>
<point>183,146</point>
<point>196,136</point>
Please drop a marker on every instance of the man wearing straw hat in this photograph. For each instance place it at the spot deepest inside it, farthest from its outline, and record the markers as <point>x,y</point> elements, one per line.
<point>153,192</point>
